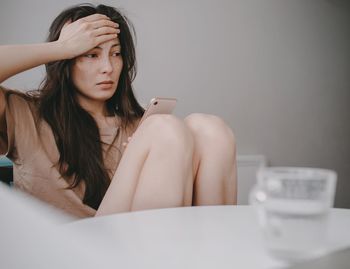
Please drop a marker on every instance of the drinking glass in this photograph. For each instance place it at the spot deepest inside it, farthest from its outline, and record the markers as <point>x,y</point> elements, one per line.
<point>293,206</point>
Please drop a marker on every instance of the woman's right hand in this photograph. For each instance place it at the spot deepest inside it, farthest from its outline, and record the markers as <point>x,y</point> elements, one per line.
<point>86,33</point>
<point>75,39</point>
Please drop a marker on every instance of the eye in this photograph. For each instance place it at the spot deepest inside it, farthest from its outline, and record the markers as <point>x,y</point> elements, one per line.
<point>116,54</point>
<point>90,55</point>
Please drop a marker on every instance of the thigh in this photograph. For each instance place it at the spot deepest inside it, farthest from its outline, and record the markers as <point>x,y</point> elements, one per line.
<point>158,138</point>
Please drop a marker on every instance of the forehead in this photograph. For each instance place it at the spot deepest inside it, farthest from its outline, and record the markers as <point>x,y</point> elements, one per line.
<point>115,43</point>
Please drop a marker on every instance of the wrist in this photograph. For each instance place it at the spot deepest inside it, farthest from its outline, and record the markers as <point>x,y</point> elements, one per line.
<point>60,50</point>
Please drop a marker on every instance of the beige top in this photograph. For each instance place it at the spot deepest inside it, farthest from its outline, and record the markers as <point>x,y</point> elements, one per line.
<point>31,146</point>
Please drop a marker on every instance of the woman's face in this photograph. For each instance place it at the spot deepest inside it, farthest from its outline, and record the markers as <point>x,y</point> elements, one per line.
<point>96,73</point>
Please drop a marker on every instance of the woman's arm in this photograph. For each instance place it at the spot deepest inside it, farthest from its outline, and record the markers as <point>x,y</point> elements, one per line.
<point>75,39</point>
<point>18,58</point>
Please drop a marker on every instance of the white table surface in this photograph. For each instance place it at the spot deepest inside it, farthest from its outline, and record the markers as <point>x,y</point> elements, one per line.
<point>34,235</point>
<point>192,237</point>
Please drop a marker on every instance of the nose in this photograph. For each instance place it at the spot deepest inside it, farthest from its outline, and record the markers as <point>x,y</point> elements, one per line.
<point>106,66</point>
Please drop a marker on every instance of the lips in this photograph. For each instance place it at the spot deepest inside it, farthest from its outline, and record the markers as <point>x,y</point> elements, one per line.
<point>106,82</point>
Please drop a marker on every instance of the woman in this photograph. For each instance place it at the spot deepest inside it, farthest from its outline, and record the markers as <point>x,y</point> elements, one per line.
<point>66,139</point>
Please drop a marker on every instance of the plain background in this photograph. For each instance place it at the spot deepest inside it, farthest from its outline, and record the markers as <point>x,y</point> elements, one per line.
<point>277,71</point>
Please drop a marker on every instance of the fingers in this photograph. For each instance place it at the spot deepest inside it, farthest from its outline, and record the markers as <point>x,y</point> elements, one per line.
<point>86,33</point>
<point>104,38</point>
<point>103,23</point>
<point>100,25</point>
<point>97,24</point>
<point>94,17</point>
<point>96,21</point>
<point>105,31</point>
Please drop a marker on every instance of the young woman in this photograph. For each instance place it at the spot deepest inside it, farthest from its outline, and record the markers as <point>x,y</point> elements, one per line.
<point>69,139</point>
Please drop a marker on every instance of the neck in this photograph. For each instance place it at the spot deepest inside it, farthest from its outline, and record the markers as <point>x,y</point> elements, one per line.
<point>94,107</point>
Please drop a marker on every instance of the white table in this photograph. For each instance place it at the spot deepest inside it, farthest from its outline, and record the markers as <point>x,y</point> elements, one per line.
<point>34,235</point>
<point>192,237</point>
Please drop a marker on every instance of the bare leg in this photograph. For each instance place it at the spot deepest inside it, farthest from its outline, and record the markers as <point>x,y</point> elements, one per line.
<point>214,160</point>
<point>155,170</point>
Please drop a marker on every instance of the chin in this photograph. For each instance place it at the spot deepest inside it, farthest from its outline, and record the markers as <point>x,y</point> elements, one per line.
<point>104,95</point>
<point>102,98</point>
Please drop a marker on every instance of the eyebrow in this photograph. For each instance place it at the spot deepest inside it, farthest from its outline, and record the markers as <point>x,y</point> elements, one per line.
<point>114,45</point>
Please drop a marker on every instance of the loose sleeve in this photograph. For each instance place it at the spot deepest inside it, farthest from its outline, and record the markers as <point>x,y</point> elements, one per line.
<point>6,124</point>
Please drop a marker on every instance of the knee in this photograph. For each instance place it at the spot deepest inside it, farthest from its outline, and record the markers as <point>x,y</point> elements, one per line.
<point>169,131</point>
<point>210,128</point>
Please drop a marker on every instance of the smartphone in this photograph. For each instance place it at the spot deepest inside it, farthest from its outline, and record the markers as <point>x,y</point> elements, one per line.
<point>159,105</point>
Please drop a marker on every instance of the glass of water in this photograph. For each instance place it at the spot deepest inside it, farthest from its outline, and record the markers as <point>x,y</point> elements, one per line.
<point>293,207</point>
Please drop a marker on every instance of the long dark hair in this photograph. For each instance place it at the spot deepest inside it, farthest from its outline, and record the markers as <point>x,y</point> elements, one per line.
<point>75,131</point>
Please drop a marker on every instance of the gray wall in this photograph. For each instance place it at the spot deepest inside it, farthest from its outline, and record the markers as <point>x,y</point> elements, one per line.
<point>278,71</point>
